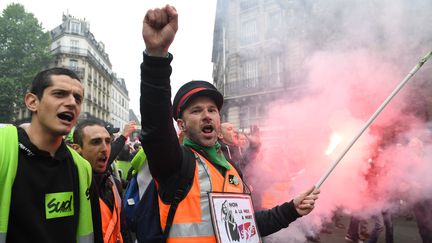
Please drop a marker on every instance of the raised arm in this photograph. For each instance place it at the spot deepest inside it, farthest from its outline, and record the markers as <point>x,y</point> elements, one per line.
<point>158,136</point>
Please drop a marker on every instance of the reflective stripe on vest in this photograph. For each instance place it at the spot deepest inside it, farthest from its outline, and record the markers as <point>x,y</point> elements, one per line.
<point>207,179</point>
<point>205,227</point>
<point>2,237</point>
<point>111,219</point>
<point>86,238</point>
<point>8,166</point>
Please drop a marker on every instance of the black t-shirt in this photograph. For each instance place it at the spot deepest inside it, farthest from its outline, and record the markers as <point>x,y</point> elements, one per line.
<point>45,195</point>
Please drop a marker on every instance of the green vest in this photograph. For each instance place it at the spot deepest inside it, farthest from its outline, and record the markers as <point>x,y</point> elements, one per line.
<point>138,161</point>
<point>8,168</point>
<point>123,168</point>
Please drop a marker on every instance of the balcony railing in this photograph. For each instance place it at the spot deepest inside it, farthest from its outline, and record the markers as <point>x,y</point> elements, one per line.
<point>70,49</point>
<point>254,85</point>
<point>78,70</point>
<point>94,60</point>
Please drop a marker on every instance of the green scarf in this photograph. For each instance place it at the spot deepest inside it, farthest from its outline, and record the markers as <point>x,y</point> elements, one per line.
<point>214,152</point>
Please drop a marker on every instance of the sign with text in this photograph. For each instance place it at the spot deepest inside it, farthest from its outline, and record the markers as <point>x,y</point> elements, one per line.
<point>233,218</point>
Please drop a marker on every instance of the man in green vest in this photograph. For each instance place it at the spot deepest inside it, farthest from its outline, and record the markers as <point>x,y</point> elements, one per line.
<point>44,185</point>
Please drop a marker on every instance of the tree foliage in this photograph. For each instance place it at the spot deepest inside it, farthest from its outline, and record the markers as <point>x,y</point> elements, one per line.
<point>24,51</point>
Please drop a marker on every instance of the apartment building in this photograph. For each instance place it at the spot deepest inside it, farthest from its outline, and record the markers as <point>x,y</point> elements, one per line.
<point>119,114</point>
<point>76,48</point>
<point>254,59</point>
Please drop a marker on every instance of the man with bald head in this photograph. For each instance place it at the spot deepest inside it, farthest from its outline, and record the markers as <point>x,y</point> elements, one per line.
<point>229,134</point>
<point>229,138</point>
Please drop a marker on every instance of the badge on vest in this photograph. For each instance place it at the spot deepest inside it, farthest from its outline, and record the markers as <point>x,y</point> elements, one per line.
<point>234,180</point>
<point>59,205</point>
<point>233,218</point>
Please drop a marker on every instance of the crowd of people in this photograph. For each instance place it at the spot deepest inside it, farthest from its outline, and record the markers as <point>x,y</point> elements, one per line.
<point>63,180</point>
<point>53,190</point>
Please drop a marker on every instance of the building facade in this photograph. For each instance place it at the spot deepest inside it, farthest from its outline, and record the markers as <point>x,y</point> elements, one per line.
<point>119,114</point>
<point>260,48</point>
<point>254,62</point>
<point>75,47</point>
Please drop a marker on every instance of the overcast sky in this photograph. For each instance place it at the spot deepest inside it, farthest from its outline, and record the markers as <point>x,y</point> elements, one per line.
<point>118,25</point>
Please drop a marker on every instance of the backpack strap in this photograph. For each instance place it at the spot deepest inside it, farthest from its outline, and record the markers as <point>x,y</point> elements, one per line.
<point>187,172</point>
<point>236,167</point>
<point>246,187</point>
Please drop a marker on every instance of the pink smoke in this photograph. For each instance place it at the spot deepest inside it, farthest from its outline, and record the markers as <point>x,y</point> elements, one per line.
<point>346,88</point>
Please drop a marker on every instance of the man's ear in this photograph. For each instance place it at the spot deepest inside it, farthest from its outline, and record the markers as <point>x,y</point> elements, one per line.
<point>31,101</point>
<point>180,124</point>
<point>76,147</point>
<point>220,136</point>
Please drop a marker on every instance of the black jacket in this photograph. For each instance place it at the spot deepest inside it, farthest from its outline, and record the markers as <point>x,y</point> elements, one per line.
<point>116,148</point>
<point>159,139</point>
<point>39,174</point>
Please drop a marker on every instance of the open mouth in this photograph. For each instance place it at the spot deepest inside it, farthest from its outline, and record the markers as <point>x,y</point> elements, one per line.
<point>207,129</point>
<point>102,159</point>
<point>66,116</point>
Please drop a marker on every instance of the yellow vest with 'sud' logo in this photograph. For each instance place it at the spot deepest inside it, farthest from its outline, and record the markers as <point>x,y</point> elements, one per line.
<point>8,168</point>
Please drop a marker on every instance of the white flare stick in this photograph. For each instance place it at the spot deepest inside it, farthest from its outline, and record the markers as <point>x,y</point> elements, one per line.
<point>372,118</point>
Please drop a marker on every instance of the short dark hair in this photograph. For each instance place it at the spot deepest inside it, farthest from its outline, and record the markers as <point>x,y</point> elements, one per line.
<point>78,132</point>
<point>43,80</point>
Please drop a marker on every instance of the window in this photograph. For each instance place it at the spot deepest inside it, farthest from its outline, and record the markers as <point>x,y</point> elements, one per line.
<point>250,74</point>
<point>232,75</point>
<point>233,114</point>
<point>73,64</point>
<point>250,115</point>
<point>274,70</point>
<point>248,32</point>
<point>75,27</point>
<point>74,46</point>
<point>244,117</point>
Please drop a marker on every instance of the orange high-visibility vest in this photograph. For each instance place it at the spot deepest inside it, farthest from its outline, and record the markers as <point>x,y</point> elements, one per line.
<point>111,220</point>
<point>192,221</point>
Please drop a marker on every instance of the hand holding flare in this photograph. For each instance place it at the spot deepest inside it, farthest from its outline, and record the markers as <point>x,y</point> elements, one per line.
<point>304,202</point>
